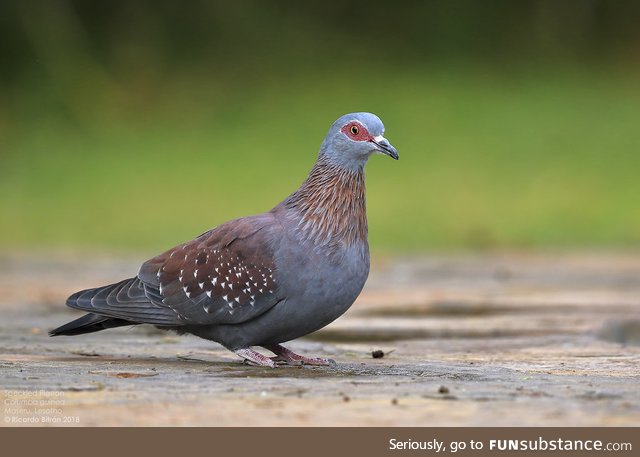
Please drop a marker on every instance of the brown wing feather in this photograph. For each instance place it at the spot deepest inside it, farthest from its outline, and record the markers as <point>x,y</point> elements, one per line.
<point>226,275</point>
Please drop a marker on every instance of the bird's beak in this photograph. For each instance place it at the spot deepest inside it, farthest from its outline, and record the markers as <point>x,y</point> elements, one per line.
<point>383,146</point>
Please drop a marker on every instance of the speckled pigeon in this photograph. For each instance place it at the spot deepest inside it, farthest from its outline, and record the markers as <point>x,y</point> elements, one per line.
<point>260,280</point>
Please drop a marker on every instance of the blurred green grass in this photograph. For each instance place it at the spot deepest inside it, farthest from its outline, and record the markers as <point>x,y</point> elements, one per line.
<point>534,159</point>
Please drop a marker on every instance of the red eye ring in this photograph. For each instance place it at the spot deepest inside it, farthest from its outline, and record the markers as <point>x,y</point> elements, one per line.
<point>356,131</point>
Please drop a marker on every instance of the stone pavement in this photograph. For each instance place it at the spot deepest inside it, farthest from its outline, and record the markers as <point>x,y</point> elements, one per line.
<point>520,338</point>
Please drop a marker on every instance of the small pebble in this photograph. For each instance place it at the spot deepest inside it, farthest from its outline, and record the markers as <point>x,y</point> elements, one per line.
<point>443,390</point>
<point>377,354</point>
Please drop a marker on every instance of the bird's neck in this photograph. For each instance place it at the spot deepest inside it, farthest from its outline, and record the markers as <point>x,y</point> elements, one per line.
<point>330,207</point>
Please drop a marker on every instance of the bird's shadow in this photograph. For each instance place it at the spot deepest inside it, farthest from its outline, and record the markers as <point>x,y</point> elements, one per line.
<point>229,368</point>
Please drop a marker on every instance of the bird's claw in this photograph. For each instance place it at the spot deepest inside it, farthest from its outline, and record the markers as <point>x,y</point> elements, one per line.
<point>254,358</point>
<point>283,357</point>
<point>288,357</point>
<point>281,361</point>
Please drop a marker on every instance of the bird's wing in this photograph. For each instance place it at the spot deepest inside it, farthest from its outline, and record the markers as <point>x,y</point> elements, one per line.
<point>224,276</point>
<point>128,299</point>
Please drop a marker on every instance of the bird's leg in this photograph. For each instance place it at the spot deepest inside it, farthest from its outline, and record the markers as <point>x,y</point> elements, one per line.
<point>291,358</point>
<point>255,358</point>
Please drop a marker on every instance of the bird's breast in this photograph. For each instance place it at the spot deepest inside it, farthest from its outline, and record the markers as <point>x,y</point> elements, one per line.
<point>328,279</point>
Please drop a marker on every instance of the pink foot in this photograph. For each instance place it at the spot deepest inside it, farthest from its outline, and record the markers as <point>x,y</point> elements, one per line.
<point>255,358</point>
<point>284,355</point>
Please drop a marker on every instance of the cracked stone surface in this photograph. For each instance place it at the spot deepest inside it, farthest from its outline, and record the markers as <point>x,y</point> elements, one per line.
<point>486,339</point>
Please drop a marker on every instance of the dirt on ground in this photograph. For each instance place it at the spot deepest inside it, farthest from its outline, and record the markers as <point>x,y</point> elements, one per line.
<point>524,338</point>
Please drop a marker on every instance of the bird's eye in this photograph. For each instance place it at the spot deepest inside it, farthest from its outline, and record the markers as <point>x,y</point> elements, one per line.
<point>355,131</point>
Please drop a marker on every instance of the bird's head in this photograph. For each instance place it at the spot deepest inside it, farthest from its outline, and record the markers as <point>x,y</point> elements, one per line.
<point>353,138</point>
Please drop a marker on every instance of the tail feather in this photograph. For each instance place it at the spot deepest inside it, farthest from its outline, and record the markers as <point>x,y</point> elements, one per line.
<point>130,300</point>
<point>89,323</point>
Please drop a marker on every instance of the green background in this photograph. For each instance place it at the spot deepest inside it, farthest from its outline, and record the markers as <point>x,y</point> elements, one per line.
<point>142,124</point>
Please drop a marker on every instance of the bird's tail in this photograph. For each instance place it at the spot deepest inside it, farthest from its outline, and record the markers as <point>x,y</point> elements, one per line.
<point>128,300</point>
<point>89,323</point>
